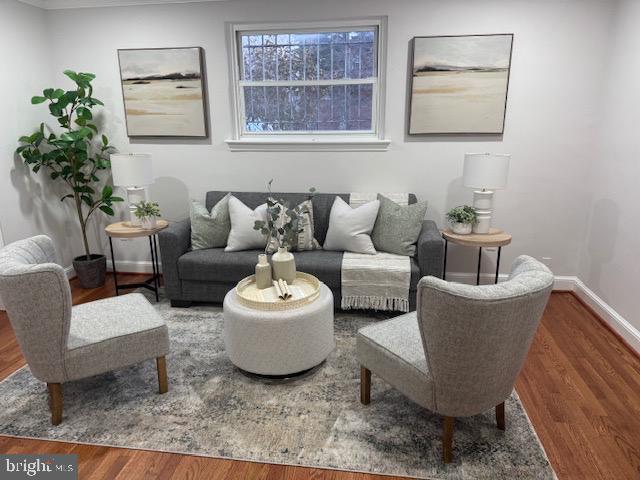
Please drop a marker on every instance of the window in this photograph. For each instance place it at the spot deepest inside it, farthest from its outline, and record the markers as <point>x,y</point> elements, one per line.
<point>309,84</point>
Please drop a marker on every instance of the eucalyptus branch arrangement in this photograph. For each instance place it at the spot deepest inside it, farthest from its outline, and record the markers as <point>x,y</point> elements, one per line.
<point>76,155</point>
<point>283,221</point>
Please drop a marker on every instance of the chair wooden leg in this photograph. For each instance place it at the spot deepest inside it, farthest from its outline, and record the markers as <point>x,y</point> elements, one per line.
<point>500,416</point>
<point>55,402</point>
<point>447,439</point>
<point>163,383</point>
<point>365,385</point>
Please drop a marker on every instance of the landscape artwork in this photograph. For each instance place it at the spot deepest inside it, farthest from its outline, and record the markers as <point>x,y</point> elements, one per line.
<point>459,84</point>
<point>163,92</point>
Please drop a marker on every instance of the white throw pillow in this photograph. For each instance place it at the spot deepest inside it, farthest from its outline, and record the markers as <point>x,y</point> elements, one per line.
<point>242,235</point>
<point>350,228</point>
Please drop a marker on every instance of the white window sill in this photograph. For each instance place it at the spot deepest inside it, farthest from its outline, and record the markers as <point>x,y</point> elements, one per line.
<point>308,145</point>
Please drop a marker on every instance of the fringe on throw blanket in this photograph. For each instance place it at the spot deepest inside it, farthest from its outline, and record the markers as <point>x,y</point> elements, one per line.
<point>375,303</point>
<point>375,282</point>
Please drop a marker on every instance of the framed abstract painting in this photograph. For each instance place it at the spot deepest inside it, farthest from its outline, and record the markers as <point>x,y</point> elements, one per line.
<point>459,84</point>
<point>163,92</point>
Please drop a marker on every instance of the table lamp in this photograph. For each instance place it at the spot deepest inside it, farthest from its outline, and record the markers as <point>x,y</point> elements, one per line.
<point>134,172</point>
<point>485,172</point>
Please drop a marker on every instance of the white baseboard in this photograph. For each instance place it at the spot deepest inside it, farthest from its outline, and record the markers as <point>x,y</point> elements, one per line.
<point>616,321</point>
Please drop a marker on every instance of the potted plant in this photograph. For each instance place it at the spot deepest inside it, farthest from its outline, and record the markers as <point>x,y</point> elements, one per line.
<point>281,229</point>
<point>147,212</point>
<point>77,157</point>
<point>462,219</point>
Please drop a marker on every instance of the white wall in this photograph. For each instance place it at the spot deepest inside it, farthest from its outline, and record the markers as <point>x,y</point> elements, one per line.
<point>610,264</point>
<point>29,205</point>
<point>559,50</point>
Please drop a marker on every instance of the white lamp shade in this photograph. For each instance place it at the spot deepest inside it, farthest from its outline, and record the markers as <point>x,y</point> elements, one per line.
<point>132,169</point>
<point>486,170</point>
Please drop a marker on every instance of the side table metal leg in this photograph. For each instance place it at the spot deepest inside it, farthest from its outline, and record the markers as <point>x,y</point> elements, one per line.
<point>153,267</point>
<point>498,264</point>
<point>479,263</point>
<point>113,266</point>
<point>155,247</point>
<point>444,267</point>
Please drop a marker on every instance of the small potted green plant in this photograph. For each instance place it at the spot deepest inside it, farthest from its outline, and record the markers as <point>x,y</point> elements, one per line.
<point>147,212</point>
<point>462,219</point>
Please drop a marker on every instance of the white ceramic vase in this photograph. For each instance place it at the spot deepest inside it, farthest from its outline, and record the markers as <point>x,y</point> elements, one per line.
<point>263,273</point>
<point>461,228</point>
<point>148,223</point>
<point>283,265</point>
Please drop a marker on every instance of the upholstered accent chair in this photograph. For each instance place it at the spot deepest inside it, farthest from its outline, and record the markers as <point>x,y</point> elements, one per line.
<point>460,352</point>
<point>62,343</point>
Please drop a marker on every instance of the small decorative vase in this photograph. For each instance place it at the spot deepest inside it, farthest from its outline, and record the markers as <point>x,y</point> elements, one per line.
<point>263,273</point>
<point>148,223</point>
<point>461,228</point>
<point>284,265</point>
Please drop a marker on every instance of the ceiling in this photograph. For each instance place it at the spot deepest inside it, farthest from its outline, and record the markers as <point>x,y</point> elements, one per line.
<point>59,4</point>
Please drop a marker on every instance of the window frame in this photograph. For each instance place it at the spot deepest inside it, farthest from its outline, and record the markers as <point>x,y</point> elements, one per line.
<point>360,140</point>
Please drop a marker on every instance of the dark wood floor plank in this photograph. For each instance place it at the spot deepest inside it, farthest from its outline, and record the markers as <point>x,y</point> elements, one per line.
<point>579,385</point>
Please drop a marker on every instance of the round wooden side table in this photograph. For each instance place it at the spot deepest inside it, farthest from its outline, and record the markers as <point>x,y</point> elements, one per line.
<point>495,238</point>
<point>125,230</point>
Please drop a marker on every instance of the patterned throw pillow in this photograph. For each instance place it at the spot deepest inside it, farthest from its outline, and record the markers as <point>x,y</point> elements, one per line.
<point>306,239</point>
<point>210,229</point>
<point>398,227</point>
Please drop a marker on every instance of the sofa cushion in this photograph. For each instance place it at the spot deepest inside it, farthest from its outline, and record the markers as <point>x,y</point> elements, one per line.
<point>243,235</point>
<point>216,265</point>
<point>350,228</point>
<point>210,229</point>
<point>398,227</point>
<point>322,203</point>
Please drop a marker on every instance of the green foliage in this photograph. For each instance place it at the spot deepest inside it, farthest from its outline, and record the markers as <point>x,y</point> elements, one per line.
<point>147,209</point>
<point>284,229</point>
<point>73,155</point>
<point>462,214</point>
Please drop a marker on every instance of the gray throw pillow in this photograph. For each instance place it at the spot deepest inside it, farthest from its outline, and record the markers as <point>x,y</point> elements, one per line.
<point>210,229</point>
<point>398,227</point>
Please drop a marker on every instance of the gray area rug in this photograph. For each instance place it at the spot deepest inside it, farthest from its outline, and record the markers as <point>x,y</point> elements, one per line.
<point>213,409</point>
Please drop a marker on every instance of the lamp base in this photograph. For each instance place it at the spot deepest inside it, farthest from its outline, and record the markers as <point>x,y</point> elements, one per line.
<point>135,195</point>
<point>483,204</point>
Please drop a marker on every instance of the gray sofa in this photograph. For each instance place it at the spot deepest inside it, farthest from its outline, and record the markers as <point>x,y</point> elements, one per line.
<point>207,275</point>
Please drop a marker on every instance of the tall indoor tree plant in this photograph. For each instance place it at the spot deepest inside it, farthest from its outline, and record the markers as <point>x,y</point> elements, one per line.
<point>75,154</point>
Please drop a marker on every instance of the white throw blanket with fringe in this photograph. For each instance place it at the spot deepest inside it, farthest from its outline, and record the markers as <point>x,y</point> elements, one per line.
<point>376,282</point>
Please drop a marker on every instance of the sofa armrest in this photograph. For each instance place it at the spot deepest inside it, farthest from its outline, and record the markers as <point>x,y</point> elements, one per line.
<point>430,250</point>
<point>175,241</point>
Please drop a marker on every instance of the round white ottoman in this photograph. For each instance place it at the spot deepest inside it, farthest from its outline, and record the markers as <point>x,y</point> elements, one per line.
<point>279,342</point>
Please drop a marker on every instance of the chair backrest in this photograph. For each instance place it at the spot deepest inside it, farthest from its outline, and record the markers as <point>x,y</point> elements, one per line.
<point>322,203</point>
<point>36,294</point>
<point>476,338</point>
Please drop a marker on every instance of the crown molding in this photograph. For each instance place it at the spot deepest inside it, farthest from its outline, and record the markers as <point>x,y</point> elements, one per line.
<point>67,4</point>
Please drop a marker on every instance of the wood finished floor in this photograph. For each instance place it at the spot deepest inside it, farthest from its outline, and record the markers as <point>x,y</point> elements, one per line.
<point>580,386</point>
